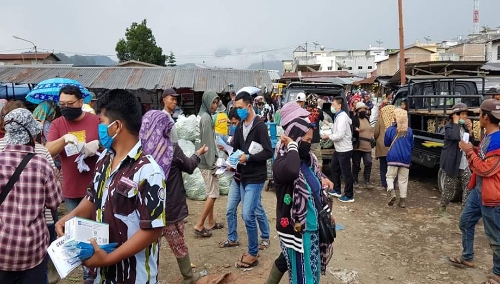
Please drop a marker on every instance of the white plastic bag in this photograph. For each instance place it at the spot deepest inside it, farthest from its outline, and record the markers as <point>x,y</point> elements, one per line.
<point>187,128</point>
<point>195,185</point>
<point>187,147</point>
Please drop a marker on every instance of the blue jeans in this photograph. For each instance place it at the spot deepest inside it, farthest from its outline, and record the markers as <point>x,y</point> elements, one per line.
<point>491,219</point>
<point>252,207</point>
<point>468,220</point>
<point>233,200</point>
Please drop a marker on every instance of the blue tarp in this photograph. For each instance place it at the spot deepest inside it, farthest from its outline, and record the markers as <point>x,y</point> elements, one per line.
<point>18,92</point>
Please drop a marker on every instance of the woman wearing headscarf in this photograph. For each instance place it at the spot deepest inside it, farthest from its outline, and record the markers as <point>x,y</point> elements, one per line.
<point>399,139</point>
<point>385,121</point>
<point>298,184</point>
<point>155,140</point>
<point>45,112</point>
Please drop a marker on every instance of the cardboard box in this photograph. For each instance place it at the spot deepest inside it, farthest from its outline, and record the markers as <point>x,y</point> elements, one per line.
<point>83,230</point>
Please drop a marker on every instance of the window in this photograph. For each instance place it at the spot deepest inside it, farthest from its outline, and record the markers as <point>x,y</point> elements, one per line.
<point>360,67</point>
<point>330,68</point>
<point>370,67</point>
<point>349,68</point>
<point>498,52</point>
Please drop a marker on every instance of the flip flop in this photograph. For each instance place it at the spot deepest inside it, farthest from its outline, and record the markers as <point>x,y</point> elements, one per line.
<point>228,243</point>
<point>459,262</point>
<point>493,279</point>
<point>248,265</point>
<point>203,233</point>
<point>217,226</point>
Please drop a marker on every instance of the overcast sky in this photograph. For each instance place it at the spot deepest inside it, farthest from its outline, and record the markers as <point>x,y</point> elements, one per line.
<point>196,29</point>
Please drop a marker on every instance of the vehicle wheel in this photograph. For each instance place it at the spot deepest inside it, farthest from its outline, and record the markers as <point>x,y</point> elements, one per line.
<point>440,180</point>
<point>457,196</point>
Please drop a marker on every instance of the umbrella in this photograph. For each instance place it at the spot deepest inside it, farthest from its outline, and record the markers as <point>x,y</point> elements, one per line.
<point>49,90</point>
<point>253,91</point>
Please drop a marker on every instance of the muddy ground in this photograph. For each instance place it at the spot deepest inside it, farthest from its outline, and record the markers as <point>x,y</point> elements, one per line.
<point>379,244</point>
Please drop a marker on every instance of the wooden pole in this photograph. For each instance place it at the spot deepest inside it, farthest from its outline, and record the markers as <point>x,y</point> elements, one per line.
<point>402,61</point>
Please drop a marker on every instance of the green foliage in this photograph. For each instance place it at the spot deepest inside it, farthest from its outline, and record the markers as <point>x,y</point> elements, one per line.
<point>171,61</point>
<point>140,44</point>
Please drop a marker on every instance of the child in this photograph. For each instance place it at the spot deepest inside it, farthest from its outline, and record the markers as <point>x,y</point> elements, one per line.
<point>399,139</point>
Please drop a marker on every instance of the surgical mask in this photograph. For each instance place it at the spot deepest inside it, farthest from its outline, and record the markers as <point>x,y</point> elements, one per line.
<point>461,121</point>
<point>71,113</point>
<point>104,138</point>
<point>362,114</point>
<point>232,130</point>
<point>242,113</point>
<point>304,150</point>
<point>333,110</point>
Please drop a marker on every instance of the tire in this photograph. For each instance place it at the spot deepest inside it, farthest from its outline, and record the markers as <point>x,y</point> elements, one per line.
<point>457,196</point>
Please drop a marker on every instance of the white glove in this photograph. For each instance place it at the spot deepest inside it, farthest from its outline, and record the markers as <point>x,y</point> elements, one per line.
<point>70,138</point>
<point>91,148</point>
<point>81,165</point>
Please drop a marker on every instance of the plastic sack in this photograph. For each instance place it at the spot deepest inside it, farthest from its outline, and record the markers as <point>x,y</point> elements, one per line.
<point>195,185</point>
<point>225,184</point>
<point>269,169</point>
<point>279,131</point>
<point>187,147</point>
<point>187,128</point>
<point>325,129</point>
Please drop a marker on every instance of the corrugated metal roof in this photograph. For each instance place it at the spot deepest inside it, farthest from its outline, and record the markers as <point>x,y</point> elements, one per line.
<point>134,78</point>
<point>274,75</point>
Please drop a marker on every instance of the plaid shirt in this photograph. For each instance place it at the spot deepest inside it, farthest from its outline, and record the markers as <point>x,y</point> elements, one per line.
<point>24,237</point>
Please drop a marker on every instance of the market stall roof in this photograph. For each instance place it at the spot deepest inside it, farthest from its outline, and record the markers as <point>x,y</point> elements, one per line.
<point>135,78</point>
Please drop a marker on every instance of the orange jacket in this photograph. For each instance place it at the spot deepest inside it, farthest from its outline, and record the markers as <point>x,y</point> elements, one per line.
<point>489,170</point>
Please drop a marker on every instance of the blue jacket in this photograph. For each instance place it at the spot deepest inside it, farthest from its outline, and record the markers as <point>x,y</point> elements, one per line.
<point>399,154</point>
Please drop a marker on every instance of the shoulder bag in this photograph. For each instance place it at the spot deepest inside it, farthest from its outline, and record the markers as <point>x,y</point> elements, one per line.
<point>326,226</point>
<point>13,179</point>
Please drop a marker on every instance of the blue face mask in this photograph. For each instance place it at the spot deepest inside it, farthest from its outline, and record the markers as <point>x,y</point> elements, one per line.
<point>242,113</point>
<point>232,130</point>
<point>104,138</point>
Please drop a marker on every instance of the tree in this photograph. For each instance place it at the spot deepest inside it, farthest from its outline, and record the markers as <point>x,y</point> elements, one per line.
<point>171,61</point>
<point>140,44</point>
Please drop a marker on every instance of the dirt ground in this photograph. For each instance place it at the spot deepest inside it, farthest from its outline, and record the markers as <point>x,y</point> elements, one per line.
<point>378,245</point>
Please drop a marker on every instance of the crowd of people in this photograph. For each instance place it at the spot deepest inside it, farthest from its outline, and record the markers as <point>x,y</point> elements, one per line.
<point>113,162</point>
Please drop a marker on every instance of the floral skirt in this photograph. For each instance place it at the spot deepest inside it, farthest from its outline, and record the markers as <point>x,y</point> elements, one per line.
<point>304,268</point>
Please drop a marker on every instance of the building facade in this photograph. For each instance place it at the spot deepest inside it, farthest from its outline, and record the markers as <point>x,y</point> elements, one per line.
<point>28,59</point>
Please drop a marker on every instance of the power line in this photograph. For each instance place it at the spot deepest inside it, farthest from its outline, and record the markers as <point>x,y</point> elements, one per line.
<point>17,49</point>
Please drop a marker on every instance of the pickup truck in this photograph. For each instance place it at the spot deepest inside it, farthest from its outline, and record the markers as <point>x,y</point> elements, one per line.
<point>429,100</point>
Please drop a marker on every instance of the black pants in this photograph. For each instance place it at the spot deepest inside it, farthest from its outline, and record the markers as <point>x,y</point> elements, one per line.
<point>30,276</point>
<point>341,166</point>
<point>281,264</point>
<point>356,165</point>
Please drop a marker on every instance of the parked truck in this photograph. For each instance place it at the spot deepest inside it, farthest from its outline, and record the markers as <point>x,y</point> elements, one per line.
<point>429,100</point>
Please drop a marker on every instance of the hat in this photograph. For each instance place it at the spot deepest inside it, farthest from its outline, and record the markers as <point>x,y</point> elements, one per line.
<point>17,124</point>
<point>458,108</point>
<point>492,106</point>
<point>360,105</point>
<point>301,97</point>
<point>169,92</point>
<point>94,96</point>
<point>492,91</point>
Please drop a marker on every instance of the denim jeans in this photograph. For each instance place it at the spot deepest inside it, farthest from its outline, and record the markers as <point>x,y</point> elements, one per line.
<point>468,220</point>
<point>71,203</point>
<point>233,200</point>
<point>491,219</point>
<point>252,207</point>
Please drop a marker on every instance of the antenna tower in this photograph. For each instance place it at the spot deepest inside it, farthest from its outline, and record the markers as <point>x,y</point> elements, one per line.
<point>476,17</point>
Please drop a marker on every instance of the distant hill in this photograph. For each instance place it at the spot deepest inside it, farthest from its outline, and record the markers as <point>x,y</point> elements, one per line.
<point>268,65</point>
<point>192,65</point>
<point>85,60</point>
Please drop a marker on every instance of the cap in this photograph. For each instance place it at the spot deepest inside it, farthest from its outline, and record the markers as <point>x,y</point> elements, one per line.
<point>492,91</point>
<point>360,105</point>
<point>458,108</point>
<point>492,106</point>
<point>301,97</point>
<point>169,92</point>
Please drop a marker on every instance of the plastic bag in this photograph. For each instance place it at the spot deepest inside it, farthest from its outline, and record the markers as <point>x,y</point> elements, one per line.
<point>195,185</point>
<point>225,184</point>
<point>269,169</point>
<point>187,147</point>
<point>325,129</point>
<point>279,131</point>
<point>187,128</point>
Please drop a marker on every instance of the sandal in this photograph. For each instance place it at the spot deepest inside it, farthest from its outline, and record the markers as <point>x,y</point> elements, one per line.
<point>460,263</point>
<point>203,233</point>
<point>245,264</point>
<point>493,279</point>
<point>228,243</point>
<point>217,226</point>
<point>264,244</point>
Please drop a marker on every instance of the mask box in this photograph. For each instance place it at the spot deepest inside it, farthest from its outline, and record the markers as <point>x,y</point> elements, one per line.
<point>83,230</point>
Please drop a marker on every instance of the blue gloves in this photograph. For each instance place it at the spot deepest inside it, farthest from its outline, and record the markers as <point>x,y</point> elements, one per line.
<point>84,251</point>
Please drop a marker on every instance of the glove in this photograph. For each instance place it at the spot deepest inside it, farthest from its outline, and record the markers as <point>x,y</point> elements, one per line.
<point>84,251</point>
<point>70,138</point>
<point>90,149</point>
<point>81,165</point>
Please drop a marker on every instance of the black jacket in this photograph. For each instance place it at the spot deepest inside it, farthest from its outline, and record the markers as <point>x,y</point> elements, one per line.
<point>451,154</point>
<point>255,170</point>
<point>175,204</point>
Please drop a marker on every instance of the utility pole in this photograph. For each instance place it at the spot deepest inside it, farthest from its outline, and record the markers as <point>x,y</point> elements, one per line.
<point>34,45</point>
<point>306,51</point>
<point>402,61</point>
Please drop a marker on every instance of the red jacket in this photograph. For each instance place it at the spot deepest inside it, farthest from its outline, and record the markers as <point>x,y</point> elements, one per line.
<point>489,170</point>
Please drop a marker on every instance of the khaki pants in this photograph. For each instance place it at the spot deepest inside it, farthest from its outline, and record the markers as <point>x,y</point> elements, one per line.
<point>402,174</point>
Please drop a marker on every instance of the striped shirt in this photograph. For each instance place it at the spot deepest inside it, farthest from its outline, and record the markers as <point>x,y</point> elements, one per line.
<point>24,237</point>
